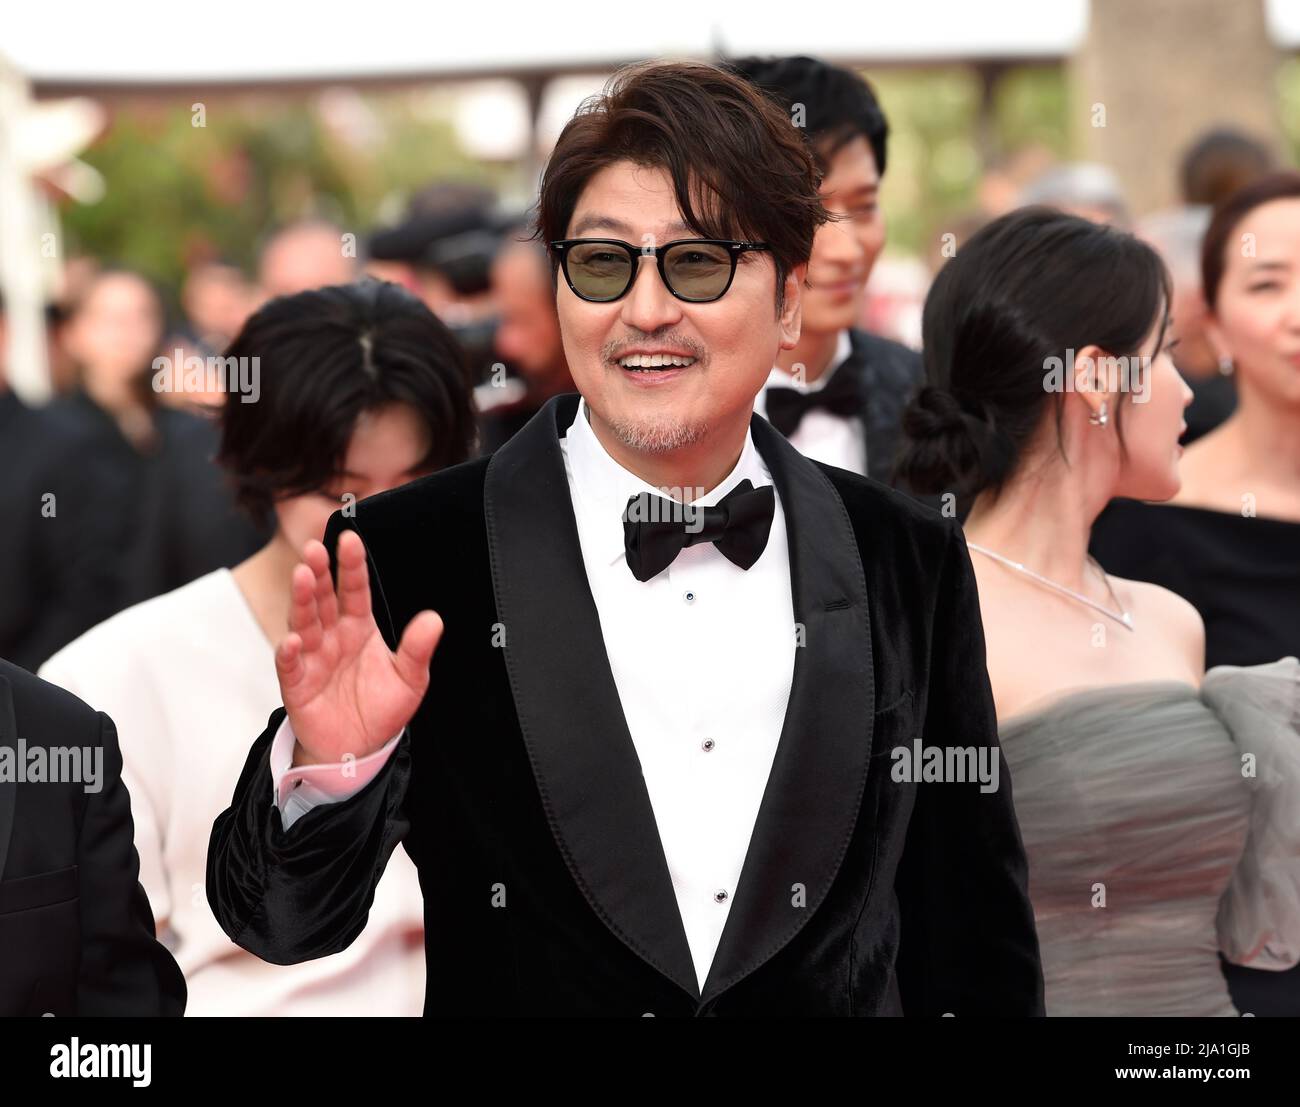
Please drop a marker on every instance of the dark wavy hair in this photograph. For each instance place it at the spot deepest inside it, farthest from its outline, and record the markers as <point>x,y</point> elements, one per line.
<point>839,103</point>
<point>1025,288</point>
<point>327,356</point>
<point>739,169</point>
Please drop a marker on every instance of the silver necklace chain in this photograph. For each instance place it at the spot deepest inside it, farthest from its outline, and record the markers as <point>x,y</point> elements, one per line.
<point>1119,615</point>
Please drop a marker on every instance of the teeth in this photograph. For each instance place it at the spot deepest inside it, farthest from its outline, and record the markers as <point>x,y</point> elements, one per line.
<point>655,361</point>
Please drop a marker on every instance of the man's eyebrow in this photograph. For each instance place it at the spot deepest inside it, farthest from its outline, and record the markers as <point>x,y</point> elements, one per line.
<point>617,226</point>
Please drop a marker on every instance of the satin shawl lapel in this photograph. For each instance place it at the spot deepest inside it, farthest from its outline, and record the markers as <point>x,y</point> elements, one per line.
<point>8,788</point>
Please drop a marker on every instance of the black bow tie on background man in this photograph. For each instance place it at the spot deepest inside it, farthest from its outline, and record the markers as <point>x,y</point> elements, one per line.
<point>842,395</point>
<point>656,529</point>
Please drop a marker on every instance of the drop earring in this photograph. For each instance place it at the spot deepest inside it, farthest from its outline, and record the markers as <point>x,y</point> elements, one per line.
<point>1101,417</point>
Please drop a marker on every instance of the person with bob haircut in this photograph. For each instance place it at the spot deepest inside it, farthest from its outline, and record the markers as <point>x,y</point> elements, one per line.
<point>362,389</point>
<point>1050,390</point>
<point>652,768</point>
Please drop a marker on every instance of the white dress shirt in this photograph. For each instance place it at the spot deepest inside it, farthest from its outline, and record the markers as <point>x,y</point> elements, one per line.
<point>822,435</point>
<point>702,656</point>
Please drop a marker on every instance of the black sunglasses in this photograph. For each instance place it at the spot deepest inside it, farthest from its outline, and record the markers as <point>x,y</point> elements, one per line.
<point>698,270</point>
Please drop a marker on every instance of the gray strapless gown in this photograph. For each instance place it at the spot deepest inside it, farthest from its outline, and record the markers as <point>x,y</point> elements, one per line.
<point>1152,847</point>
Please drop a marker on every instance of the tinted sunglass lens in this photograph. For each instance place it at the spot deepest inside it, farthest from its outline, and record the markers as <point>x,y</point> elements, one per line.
<point>598,270</point>
<point>698,271</point>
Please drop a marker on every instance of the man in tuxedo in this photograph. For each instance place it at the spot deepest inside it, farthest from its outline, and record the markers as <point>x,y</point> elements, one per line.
<point>839,393</point>
<point>651,768</point>
<point>76,932</point>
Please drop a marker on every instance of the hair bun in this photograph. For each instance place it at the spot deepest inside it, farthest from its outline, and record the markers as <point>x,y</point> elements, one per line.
<point>934,413</point>
<point>951,447</point>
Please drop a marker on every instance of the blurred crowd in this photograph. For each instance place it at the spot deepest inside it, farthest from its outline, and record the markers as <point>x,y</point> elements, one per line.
<point>135,443</point>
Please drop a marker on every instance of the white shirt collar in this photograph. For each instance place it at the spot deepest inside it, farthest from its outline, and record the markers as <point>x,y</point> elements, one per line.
<point>779,378</point>
<point>601,486</point>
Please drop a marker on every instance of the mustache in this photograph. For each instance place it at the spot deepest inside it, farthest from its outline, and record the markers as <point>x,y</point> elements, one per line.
<point>612,351</point>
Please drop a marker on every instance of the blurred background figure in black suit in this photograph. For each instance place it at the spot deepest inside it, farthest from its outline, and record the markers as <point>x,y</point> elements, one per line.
<point>55,580</point>
<point>166,512</point>
<point>527,340</point>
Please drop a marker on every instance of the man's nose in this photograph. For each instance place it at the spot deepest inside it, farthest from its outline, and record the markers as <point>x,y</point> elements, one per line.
<point>648,304</point>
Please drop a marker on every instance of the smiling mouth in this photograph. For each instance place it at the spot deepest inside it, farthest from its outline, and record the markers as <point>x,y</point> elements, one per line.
<point>649,363</point>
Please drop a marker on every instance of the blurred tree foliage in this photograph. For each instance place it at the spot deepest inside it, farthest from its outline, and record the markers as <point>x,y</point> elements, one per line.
<point>935,156</point>
<point>1288,88</point>
<point>177,192</point>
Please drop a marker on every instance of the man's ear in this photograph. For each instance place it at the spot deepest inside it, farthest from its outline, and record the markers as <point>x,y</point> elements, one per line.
<point>791,314</point>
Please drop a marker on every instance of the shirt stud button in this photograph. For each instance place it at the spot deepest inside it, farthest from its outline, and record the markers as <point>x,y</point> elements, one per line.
<point>688,596</point>
<point>707,745</point>
<point>720,896</point>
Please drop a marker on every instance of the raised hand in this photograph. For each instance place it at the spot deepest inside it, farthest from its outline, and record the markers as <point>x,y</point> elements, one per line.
<point>345,691</point>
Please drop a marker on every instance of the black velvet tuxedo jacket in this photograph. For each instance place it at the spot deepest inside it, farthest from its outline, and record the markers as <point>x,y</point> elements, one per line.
<point>518,794</point>
<point>889,375</point>
<point>76,932</point>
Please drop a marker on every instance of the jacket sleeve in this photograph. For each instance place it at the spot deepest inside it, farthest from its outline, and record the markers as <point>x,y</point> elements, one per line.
<point>968,946</point>
<point>295,895</point>
<point>298,894</point>
<point>124,969</point>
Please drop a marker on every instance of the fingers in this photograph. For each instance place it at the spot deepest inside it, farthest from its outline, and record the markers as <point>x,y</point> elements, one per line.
<point>354,581</point>
<point>415,650</point>
<point>304,618</point>
<point>289,667</point>
<point>317,559</point>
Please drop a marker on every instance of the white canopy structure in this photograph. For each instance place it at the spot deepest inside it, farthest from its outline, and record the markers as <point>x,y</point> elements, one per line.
<point>154,42</point>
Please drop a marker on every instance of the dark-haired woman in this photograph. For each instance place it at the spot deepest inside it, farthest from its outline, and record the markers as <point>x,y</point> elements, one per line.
<point>358,389</point>
<point>1160,806</point>
<point>1229,541</point>
<point>171,516</point>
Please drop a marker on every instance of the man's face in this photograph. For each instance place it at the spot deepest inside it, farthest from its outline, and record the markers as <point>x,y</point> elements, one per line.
<point>528,334</point>
<point>729,345</point>
<point>846,247</point>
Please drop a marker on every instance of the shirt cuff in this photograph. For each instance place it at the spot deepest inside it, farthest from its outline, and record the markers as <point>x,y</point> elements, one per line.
<point>296,790</point>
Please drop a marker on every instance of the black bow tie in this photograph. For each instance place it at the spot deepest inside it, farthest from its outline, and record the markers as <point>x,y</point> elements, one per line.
<point>657,529</point>
<point>786,407</point>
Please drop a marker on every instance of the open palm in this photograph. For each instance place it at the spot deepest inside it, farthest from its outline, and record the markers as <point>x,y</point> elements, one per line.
<point>345,691</point>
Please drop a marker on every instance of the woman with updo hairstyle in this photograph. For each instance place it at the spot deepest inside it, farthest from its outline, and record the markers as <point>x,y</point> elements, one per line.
<point>355,389</point>
<point>1049,392</point>
<point>1229,540</point>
